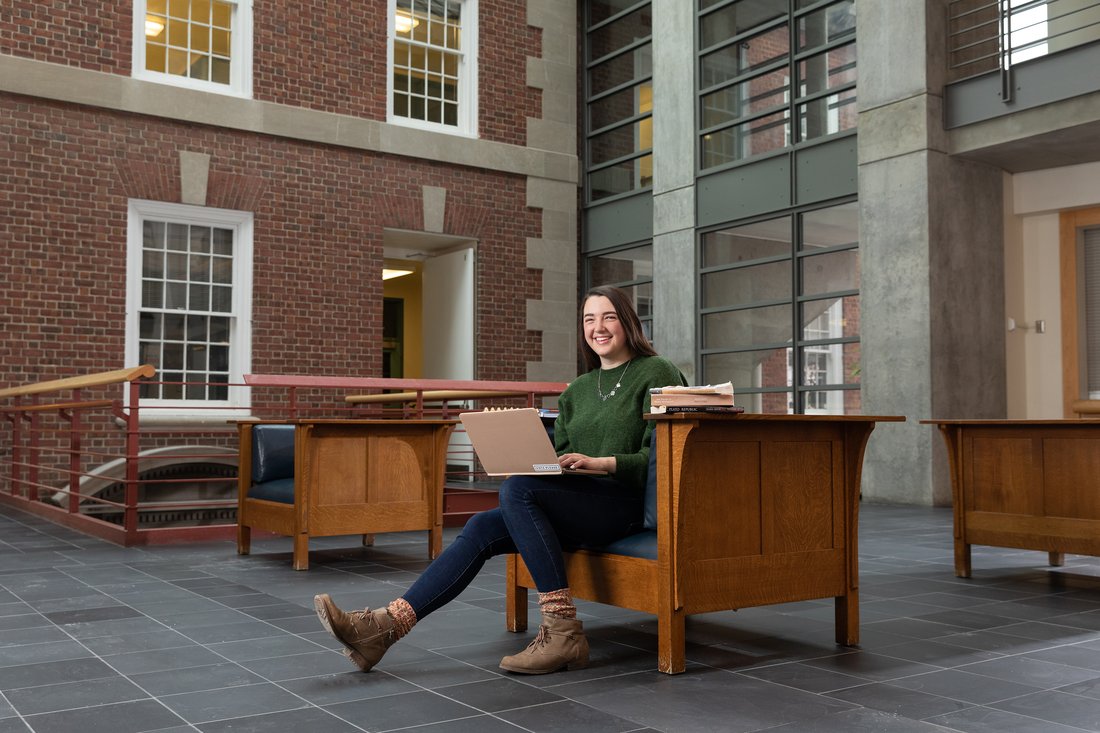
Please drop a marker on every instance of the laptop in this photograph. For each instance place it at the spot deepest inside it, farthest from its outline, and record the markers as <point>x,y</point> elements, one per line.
<point>514,443</point>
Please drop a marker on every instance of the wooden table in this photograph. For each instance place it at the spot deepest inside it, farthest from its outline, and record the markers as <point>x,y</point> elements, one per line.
<point>1028,484</point>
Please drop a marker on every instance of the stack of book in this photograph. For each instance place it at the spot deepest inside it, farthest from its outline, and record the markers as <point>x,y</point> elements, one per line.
<point>705,398</point>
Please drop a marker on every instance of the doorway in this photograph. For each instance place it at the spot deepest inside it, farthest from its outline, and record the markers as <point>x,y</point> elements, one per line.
<point>432,282</point>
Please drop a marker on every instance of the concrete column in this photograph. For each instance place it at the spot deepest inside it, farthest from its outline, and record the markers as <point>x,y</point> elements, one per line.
<point>674,183</point>
<point>932,270</point>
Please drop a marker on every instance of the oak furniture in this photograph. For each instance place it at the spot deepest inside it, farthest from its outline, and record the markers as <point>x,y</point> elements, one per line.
<point>324,477</point>
<point>1027,484</point>
<point>745,510</point>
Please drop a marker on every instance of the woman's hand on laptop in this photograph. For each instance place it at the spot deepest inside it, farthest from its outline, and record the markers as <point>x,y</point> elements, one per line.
<point>574,461</point>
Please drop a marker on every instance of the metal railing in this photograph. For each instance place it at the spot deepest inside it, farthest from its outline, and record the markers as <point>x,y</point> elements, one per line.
<point>88,452</point>
<point>986,36</point>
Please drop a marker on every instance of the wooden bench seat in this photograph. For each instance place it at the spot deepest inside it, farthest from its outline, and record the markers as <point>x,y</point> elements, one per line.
<point>320,478</point>
<point>744,510</point>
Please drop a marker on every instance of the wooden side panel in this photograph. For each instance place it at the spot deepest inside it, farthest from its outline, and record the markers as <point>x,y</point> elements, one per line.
<point>1003,474</point>
<point>1073,466</point>
<point>723,483</point>
<point>797,511</point>
<point>395,472</point>
<point>338,469</point>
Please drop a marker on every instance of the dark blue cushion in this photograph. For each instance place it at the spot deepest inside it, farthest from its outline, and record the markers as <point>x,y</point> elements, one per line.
<point>272,453</point>
<point>640,544</point>
<point>650,519</point>
<point>280,490</point>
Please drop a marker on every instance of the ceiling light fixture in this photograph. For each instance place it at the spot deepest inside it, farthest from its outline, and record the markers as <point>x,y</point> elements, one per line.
<point>153,26</point>
<point>389,274</point>
<point>403,22</point>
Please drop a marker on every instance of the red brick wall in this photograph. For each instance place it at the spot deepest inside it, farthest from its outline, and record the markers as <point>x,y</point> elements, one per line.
<point>325,55</point>
<point>67,173</point>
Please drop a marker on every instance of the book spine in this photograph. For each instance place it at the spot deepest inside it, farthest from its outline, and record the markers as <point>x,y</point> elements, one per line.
<point>668,409</point>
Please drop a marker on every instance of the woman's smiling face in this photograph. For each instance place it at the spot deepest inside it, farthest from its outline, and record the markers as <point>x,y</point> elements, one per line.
<point>603,331</point>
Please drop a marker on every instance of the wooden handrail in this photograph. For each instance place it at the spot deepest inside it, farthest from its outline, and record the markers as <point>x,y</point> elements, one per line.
<point>431,395</point>
<point>369,383</point>
<point>86,405</point>
<point>88,380</point>
<point>1087,408</point>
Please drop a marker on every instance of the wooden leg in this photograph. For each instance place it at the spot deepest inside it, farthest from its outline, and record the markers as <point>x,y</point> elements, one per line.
<point>847,619</point>
<point>435,542</point>
<point>1057,559</point>
<point>962,559</point>
<point>301,552</point>
<point>670,641</point>
<point>244,539</point>
<point>515,597</point>
<point>368,540</point>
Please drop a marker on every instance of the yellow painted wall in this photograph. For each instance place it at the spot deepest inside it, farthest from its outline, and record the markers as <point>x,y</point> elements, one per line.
<point>410,289</point>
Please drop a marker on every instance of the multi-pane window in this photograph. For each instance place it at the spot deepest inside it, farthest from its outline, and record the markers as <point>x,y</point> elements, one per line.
<point>632,270</point>
<point>433,63</point>
<point>773,74</point>
<point>780,311</point>
<point>619,97</point>
<point>188,293</point>
<point>203,44</point>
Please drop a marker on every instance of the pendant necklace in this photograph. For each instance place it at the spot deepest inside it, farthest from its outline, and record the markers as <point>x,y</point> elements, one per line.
<point>618,383</point>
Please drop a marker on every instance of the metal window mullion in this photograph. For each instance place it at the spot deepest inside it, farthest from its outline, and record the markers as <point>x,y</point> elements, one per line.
<point>632,46</point>
<point>803,253</point>
<point>834,294</point>
<point>753,73</point>
<point>727,266</point>
<point>616,161</point>
<point>756,30</point>
<point>617,16</point>
<point>619,88</point>
<point>769,303</point>
<point>763,346</point>
<point>625,122</point>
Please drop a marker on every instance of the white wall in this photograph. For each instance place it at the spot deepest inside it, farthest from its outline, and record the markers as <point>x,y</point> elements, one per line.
<point>449,316</point>
<point>1032,282</point>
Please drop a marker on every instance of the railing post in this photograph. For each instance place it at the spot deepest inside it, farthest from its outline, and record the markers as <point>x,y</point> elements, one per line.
<point>16,446</point>
<point>75,428</point>
<point>1005,45</point>
<point>130,512</point>
<point>33,455</point>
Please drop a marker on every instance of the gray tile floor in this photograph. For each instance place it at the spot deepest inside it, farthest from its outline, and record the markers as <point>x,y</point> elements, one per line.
<point>183,638</point>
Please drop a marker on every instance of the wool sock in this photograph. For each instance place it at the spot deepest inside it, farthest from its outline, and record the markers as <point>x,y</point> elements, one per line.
<point>558,603</point>
<point>404,617</point>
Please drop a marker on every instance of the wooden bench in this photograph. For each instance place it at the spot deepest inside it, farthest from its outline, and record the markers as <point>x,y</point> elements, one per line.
<point>745,510</point>
<point>1027,484</point>
<point>320,478</point>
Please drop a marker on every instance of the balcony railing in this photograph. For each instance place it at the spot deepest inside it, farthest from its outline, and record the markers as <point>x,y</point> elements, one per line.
<point>986,36</point>
<point>90,453</point>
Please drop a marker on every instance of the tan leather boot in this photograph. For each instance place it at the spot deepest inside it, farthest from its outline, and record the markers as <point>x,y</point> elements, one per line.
<point>560,643</point>
<point>366,634</point>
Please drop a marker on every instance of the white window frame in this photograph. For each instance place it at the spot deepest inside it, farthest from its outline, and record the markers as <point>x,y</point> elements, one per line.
<point>240,330</point>
<point>240,72</point>
<point>467,76</point>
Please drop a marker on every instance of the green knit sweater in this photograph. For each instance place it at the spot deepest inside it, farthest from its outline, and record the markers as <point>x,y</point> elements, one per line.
<point>613,426</point>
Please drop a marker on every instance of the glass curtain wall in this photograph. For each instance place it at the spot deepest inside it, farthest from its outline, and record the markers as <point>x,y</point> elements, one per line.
<point>618,93</point>
<point>779,293</point>
<point>780,311</point>
<point>773,74</point>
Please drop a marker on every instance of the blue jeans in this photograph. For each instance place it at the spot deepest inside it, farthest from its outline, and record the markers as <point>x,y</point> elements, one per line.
<point>538,516</point>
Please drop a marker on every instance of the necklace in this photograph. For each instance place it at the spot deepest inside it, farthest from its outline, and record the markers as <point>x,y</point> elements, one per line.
<point>618,383</point>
